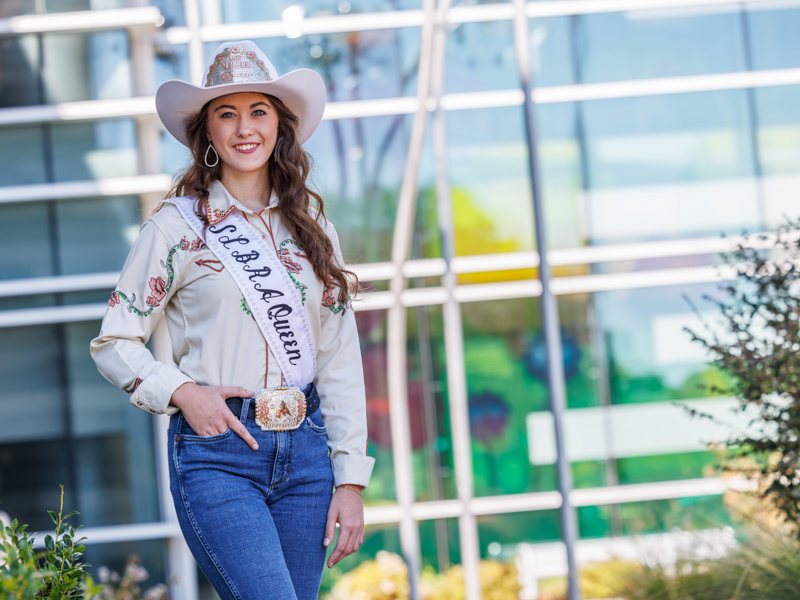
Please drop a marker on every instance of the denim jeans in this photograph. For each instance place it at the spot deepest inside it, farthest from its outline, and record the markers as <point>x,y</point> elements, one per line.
<point>254,519</point>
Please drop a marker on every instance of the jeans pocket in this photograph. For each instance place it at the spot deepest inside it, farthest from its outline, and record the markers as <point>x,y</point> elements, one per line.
<point>315,422</point>
<point>188,434</point>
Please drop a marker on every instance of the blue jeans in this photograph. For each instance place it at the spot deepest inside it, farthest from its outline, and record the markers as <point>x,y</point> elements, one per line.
<point>254,519</point>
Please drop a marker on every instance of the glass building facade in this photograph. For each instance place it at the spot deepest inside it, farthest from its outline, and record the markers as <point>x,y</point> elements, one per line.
<point>661,124</point>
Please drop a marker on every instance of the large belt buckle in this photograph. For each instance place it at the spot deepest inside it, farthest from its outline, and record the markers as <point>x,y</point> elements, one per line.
<point>280,409</point>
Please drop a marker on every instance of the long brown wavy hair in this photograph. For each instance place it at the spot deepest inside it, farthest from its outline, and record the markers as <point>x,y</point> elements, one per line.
<point>287,172</point>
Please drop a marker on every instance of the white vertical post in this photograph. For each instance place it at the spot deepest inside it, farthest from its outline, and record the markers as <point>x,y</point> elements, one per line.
<point>396,318</point>
<point>453,332</point>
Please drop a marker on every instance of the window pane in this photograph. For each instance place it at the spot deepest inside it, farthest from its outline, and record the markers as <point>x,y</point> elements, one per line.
<point>70,427</point>
<point>96,235</point>
<point>487,162</point>
<point>480,57</point>
<point>25,246</point>
<point>22,159</point>
<point>235,11</point>
<point>94,150</point>
<point>358,170</point>
<point>773,37</point>
<point>663,43</point>
<point>779,151</point>
<point>372,335</point>
<point>19,71</point>
<point>504,356</point>
<point>670,166</point>
<point>551,51</point>
<point>650,356</point>
<point>69,74</point>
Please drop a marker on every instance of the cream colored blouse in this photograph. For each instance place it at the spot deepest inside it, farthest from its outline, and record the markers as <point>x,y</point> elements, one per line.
<point>215,340</point>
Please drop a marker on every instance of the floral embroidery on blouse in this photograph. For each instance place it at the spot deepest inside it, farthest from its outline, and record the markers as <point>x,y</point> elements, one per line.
<point>158,289</point>
<point>293,268</point>
<point>194,246</point>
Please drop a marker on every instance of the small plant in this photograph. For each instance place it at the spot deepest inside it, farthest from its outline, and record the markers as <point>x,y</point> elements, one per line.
<point>758,345</point>
<point>21,577</point>
<point>57,573</point>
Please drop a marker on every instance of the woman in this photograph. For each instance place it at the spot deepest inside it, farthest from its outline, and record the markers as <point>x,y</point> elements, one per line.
<point>249,277</point>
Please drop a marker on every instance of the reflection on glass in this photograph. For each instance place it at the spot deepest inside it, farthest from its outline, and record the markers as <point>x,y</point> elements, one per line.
<point>19,60</point>
<point>489,181</point>
<point>96,235</point>
<point>669,166</point>
<point>428,409</point>
<point>560,174</point>
<point>358,170</point>
<point>356,65</point>
<point>779,150</point>
<point>94,150</point>
<point>644,44</point>
<point>480,57</point>
<point>658,516</point>
<point>774,43</point>
<point>440,544</point>
<point>22,155</point>
<point>235,11</point>
<point>115,467</point>
<point>91,441</point>
<point>505,363</point>
<point>93,236</point>
<point>372,335</point>
<point>666,467</point>
<point>651,358</point>
<point>551,51</point>
<point>25,245</point>
<point>68,152</point>
<point>508,530</point>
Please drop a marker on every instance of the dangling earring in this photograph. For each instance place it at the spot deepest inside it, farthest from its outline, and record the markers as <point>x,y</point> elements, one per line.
<point>216,156</point>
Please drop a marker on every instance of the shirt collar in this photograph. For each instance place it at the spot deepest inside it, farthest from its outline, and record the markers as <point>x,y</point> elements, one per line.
<point>221,203</point>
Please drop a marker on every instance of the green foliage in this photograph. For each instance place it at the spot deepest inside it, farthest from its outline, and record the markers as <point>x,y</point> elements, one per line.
<point>21,577</point>
<point>57,573</point>
<point>758,345</point>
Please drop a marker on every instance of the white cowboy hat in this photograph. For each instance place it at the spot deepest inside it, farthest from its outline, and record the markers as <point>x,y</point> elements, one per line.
<point>242,67</point>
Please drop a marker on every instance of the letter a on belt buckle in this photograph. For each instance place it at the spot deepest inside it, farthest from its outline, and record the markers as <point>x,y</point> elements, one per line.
<point>280,409</point>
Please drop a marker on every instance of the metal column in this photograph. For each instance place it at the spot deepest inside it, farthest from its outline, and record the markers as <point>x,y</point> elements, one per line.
<point>550,318</point>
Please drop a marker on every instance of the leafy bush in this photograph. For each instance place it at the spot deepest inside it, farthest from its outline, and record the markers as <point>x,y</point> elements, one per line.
<point>58,573</point>
<point>759,346</point>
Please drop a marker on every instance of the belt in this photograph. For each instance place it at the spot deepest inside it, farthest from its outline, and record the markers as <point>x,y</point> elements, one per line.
<point>310,392</point>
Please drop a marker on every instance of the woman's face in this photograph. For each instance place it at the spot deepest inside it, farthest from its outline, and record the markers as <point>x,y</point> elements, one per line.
<point>243,128</point>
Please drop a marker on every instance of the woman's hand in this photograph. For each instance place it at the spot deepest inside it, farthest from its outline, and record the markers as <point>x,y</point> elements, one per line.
<point>204,408</point>
<point>347,509</point>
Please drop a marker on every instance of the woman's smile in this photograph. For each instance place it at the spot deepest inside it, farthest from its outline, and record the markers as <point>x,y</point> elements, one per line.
<point>243,128</point>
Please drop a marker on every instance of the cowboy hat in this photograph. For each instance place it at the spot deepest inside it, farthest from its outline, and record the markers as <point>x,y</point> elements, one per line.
<point>242,67</point>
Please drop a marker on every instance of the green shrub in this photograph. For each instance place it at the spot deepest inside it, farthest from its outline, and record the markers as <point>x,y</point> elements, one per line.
<point>58,573</point>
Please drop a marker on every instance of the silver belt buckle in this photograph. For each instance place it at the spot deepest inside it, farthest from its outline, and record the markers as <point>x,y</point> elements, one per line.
<point>280,409</point>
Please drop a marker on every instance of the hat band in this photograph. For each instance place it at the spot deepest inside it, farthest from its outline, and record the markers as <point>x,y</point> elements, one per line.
<point>236,65</point>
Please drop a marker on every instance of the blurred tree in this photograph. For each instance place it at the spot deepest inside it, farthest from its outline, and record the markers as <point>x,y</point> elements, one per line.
<point>756,342</point>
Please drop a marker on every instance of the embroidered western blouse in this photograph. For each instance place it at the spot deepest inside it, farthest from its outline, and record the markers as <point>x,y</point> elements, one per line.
<point>215,340</point>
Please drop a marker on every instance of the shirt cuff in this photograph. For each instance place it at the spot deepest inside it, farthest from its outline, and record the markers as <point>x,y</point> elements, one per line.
<point>352,469</point>
<point>154,392</point>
